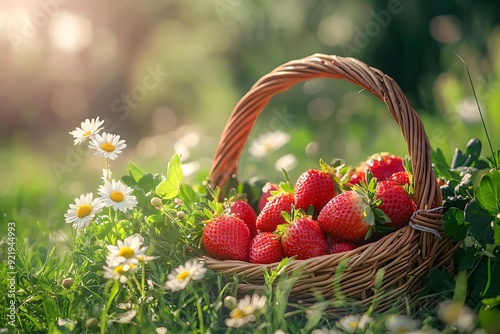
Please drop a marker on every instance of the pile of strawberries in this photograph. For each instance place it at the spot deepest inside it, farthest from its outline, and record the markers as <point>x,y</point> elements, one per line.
<point>325,212</point>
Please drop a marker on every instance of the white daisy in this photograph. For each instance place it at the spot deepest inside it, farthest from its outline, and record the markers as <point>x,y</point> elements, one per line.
<point>350,323</point>
<point>400,324</point>
<point>120,272</point>
<point>84,210</point>
<point>126,317</point>
<point>248,309</point>
<point>267,143</point>
<point>87,130</point>
<point>107,145</point>
<point>180,277</point>
<point>128,251</point>
<point>457,315</point>
<point>117,195</point>
<point>324,330</point>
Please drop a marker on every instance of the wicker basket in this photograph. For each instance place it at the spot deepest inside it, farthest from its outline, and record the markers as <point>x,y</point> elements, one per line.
<point>406,255</point>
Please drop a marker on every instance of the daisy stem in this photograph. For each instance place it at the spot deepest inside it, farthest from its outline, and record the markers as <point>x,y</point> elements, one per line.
<point>113,293</point>
<point>106,163</point>
<point>200,315</point>
<point>143,280</point>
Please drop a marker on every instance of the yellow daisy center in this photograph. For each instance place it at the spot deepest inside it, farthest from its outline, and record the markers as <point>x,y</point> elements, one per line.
<point>126,252</point>
<point>182,275</point>
<point>353,324</point>
<point>108,147</point>
<point>86,133</point>
<point>119,270</point>
<point>83,210</point>
<point>117,196</point>
<point>237,314</point>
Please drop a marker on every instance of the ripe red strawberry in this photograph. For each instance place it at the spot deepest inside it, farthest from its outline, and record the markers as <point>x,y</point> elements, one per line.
<point>384,165</point>
<point>266,248</point>
<point>226,238</point>
<point>270,216</point>
<point>336,245</point>
<point>266,193</point>
<point>356,177</point>
<point>244,211</point>
<point>402,178</point>
<point>396,203</point>
<point>303,238</point>
<point>314,187</point>
<point>347,216</point>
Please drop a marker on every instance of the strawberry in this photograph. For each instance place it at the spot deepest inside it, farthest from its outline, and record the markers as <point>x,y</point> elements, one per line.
<point>226,238</point>
<point>314,187</point>
<point>266,248</point>
<point>383,165</point>
<point>356,177</point>
<point>243,210</point>
<point>266,194</point>
<point>351,216</point>
<point>396,203</point>
<point>402,178</point>
<point>270,216</point>
<point>336,245</point>
<point>303,238</point>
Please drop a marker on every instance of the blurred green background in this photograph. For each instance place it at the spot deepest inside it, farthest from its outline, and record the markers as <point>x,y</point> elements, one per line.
<point>165,76</point>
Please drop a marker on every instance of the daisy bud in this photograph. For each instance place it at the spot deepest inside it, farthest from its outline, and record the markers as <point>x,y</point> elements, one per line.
<point>177,201</point>
<point>156,202</point>
<point>67,283</point>
<point>230,302</point>
<point>92,323</point>
<point>180,215</point>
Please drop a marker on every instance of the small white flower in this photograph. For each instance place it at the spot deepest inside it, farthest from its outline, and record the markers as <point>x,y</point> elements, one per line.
<point>248,309</point>
<point>83,211</point>
<point>161,330</point>
<point>456,314</point>
<point>127,251</point>
<point>107,145</point>
<point>127,317</point>
<point>120,272</point>
<point>268,142</point>
<point>180,277</point>
<point>350,323</point>
<point>87,130</point>
<point>286,162</point>
<point>325,331</point>
<point>400,324</point>
<point>117,195</point>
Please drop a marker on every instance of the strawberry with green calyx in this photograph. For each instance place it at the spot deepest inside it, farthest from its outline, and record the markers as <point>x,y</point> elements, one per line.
<point>281,199</point>
<point>354,215</point>
<point>266,248</point>
<point>396,203</point>
<point>301,236</point>
<point>226,237</point>
<point>315,187</point>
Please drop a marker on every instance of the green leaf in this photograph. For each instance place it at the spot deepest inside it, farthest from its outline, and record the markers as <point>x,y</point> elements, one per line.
<point>473,149</point>
<point>169,187</point>
<point>488,192</point>
<point>494,160</point>
<point>135,171</point>
<point>488,320</point>
<point>496,233</point>
<point>441,166</point>
<point>441,281</point>
<point>146,183</point>
<point>479,223</point>
<point>188,197</point>
<point>454,224</point>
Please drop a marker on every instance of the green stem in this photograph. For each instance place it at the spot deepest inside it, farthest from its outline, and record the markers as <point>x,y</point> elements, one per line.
<point>104,318</point>
<point>488,282</point>
<point>200,315</point>
<point>143,281</point>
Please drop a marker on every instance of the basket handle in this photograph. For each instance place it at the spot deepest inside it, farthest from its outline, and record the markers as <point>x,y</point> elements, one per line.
<point>245,113</point>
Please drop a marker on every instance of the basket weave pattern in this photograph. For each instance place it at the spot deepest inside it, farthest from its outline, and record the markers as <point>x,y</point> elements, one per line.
<point>406,255</point>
